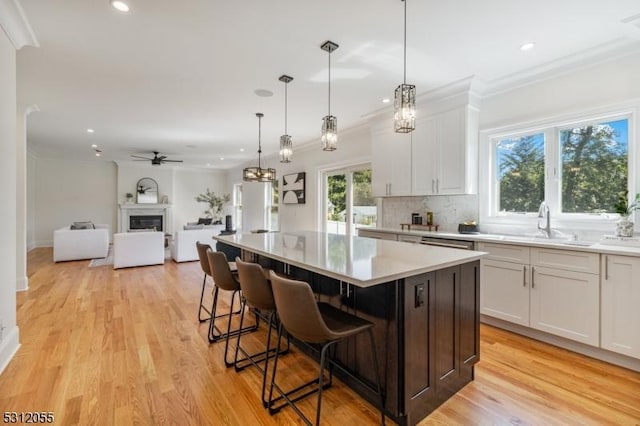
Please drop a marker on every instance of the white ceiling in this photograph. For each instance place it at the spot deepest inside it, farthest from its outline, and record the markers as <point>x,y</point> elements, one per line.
<point>179,76</point>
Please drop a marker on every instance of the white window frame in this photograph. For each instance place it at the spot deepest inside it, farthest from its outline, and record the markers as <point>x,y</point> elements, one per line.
<point>269,204</point>
<point>551,127</point>
<point>237,207</point>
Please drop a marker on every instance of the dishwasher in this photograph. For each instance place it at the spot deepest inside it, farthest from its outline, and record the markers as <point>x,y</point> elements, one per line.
<point>443,242</point>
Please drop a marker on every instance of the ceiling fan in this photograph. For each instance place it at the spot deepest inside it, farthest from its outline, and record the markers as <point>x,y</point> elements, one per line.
<point>157,159</point>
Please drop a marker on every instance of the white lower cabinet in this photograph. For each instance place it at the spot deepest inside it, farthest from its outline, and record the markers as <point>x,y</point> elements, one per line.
<point>620,305</point>
<point>517,285</point>
<point>504,292</point>
<point>565,303</point>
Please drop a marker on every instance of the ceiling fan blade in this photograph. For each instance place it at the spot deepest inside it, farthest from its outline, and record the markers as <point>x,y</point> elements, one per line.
<point>162,157</point>
<point>138,156</point>
<point>172,161</point>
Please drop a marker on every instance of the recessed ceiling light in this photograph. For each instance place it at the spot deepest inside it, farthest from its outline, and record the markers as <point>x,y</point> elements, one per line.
<point>527,46</point>
<point>222,158</point>
<point>241,149</point>
<point>263,93</point>
<point>120,5</point>
<point>208,164</point>
<point>90,130</point>
<point>94,146</point>
<point>386,100</point>
<point>98,154</point>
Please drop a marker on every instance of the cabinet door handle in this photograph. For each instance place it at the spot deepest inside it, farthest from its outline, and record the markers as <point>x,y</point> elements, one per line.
<point>389,189</point>
<point>606,267</point>
<point>533,277</point>
<point>524,276</point>
<point>438,186</point>
<point>433,185</point>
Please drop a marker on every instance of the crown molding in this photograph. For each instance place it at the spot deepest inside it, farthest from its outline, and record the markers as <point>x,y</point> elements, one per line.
<point>15,24</point>
<point>602,53</point>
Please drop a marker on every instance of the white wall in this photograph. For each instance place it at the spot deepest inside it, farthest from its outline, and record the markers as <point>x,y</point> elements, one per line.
<point>31,201</point>
<point>10,341</point>
<point>188,184</point>
<point>129,175</point>
<point>354,146</point>
<point>599,85</point>
<point>67,191</point>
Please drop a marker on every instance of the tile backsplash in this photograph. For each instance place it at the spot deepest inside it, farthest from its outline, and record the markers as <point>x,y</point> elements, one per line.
<point>448,210</point>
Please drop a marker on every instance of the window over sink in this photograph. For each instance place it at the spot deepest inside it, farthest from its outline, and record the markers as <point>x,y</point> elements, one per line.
<point>577,166</point>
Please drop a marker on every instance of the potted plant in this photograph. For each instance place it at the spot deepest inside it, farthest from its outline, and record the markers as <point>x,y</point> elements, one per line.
<point>624,227</point>
<point>129,197</point>
<point>215,204</point>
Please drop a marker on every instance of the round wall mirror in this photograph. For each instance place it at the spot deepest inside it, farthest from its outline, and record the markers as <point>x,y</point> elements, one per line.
<point>147,191</point>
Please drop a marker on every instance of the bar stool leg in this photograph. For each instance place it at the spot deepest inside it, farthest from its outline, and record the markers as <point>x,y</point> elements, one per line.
<point>204,285</point>
<point>323,356</point>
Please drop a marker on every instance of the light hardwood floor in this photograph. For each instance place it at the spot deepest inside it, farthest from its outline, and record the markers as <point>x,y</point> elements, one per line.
<point>124,347</point>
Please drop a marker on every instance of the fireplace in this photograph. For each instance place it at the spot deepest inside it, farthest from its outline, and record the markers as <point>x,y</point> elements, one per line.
<point>145,222</point>
<point>134,217</point>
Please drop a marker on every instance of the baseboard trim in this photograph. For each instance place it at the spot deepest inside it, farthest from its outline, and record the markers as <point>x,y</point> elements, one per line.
<point>8,347</point>
<point>581,348</point>
<point>22,284</point>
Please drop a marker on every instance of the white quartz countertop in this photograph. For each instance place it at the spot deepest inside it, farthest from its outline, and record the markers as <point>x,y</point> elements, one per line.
<point>520,240</point>
<point>361,261</point>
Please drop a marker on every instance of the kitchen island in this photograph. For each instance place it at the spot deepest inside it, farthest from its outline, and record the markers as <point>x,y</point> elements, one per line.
<point>422,300</point>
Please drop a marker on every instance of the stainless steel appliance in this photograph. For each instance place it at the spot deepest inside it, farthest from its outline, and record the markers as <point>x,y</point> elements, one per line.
<point>443,242</point>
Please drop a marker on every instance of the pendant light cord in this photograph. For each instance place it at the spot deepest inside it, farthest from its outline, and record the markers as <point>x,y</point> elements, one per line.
<point>329,82</point>
<point>259,143</point>
<point>405,41</point>
<point>285,108</point>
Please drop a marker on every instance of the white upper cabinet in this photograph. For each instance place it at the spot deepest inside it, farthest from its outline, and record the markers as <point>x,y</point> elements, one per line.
<point>445,153</point>
<point>391,161</point>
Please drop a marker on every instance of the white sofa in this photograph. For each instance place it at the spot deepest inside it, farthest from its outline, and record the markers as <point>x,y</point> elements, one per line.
<point>78,244</point>
<point>138,249</point>
<point>183,246</point>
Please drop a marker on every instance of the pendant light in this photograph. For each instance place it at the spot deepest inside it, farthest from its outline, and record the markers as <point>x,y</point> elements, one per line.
<point>258,174</point>
<point>329,122</point>
<point>286,146</point>
<point>405,95</point>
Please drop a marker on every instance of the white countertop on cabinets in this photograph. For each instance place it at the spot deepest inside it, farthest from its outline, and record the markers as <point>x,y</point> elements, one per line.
<point>520,240</point>
<point>361,261</point>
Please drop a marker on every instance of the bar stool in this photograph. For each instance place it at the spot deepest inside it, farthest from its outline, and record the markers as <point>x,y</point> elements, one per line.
<point>257,294</point>
<point>315,323</point>
<point>204,264</point>
<point>224,279</point>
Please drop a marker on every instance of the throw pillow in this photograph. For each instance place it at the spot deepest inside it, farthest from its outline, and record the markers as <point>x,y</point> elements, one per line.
<point>204,221</point>
<point>82,225</point>
<point>190,227</point>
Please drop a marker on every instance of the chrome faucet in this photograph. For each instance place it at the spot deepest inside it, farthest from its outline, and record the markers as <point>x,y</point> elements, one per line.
<point>543,212</point>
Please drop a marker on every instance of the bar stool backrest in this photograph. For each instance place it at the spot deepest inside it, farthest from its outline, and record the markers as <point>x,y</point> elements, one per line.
<point>220,271</point>
<point>255,287</point>
<point>298,310</point>
<point>202,256</point>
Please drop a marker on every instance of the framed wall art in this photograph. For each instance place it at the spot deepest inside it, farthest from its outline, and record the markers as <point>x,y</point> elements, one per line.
<point>293,190</point>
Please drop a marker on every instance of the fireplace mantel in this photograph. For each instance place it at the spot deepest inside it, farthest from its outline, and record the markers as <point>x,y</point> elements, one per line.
<point>128,209</point>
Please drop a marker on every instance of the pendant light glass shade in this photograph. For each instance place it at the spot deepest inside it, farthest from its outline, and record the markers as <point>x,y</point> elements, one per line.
<point>405,108</point>
<point>404,117</point>
<point>329,133</point>
<point>286,145</point>
<point>329,136</point>
<point>257,173</point>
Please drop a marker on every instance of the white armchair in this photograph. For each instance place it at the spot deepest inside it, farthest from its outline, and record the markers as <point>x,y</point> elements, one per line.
<point>138,249</point>
<point>78,244</point>
<point>183,246</point>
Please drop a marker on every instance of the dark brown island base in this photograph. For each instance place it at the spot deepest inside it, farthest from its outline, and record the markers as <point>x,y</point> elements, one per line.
<point>423,301</point>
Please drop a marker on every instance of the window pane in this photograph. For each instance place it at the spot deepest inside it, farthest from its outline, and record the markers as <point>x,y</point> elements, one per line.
<point>594,166</point>
<point>520,173</point>
<point>336,203</point>
<point>364,205</point>
<point>273,208</point>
